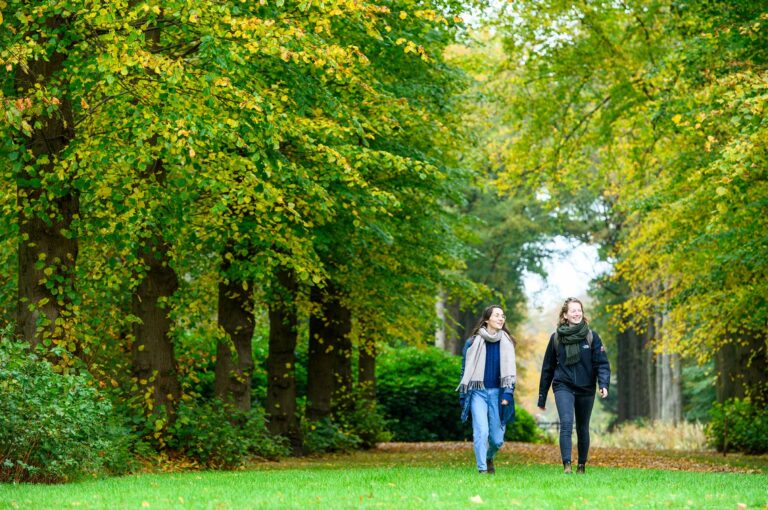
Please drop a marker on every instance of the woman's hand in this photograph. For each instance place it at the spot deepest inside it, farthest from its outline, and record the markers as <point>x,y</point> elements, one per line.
<point>603,392</point>
<point>504,402</point>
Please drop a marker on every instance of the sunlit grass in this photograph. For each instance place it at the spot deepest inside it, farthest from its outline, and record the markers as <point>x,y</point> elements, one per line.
<point>418,479</point>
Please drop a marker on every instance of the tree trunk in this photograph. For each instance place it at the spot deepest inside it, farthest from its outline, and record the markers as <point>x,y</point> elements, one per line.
<point>366,366</point>
<point>341,323</point>
<point>669,388</point>
<point>234,353</point>
<point>669,383</point>
<point>281,361</point>
<point>461,327</point>
<point>154,361</point>
<point>633,384</point>
<point>442,327</point>
<point>742,365</point>
<point>47,206</point>
<point>320,365</point>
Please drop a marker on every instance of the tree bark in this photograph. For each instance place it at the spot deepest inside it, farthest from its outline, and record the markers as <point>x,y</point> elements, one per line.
<point>154,360</point>
<point>366,366</point>
<point>442,326</point>
<point>742,365</point>
<point>633,384</point>
<point>341,322</point>
<point>668,387</point>
<point>281,361</point>
<point>47,207</point>
<point>320,365</point>
<point>234,353</point>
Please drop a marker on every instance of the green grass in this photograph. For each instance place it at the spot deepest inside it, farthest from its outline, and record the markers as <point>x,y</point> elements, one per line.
<point>428,479</point>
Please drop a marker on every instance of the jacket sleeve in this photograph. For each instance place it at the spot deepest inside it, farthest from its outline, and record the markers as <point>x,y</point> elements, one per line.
<point>600,363</point>
<point>547,371</point>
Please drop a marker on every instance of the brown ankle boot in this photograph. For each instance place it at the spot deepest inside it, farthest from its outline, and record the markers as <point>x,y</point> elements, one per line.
<point>580,469</point>
<point>567,468</point>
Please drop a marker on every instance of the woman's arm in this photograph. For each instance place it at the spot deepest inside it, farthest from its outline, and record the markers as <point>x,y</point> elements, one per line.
<point>600,364</point>
<point>547,371</point>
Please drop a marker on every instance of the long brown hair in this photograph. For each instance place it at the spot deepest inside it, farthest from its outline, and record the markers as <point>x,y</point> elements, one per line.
<point>483,321</point>
<point>564,310</point>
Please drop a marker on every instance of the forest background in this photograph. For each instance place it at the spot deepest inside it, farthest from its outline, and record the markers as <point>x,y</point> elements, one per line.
<point>233,228</point>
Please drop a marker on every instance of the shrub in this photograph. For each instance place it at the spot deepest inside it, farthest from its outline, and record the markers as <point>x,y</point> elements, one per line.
<point>524,428</point>
<point>738,425</point>
<point>53,427</point>
<point>325,436</point>
<point>218,436</point>
<point>365,421</point>
<point>415,389</point>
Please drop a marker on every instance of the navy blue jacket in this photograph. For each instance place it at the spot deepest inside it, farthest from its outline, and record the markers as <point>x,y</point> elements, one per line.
<point>492,379</point>
<point>579,378</point>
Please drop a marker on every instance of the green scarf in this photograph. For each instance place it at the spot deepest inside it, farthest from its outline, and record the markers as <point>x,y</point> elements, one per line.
<point>571,336</point>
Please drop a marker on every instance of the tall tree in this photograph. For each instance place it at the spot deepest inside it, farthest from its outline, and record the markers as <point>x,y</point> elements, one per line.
<point>47,199</point>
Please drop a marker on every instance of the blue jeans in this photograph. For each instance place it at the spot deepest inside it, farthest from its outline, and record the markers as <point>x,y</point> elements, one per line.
<point>487,430</point>
<point>568,405</point>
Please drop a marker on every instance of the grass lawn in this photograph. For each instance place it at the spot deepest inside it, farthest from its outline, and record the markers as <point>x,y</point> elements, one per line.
<point>403,478</point>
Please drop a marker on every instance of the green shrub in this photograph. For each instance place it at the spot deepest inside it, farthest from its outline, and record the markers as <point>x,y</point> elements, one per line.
<point>218,436</point>
<point>53,427</point>
<point>325,436</point>
<point>366,422</point>
<point>524,429</point>
<point>415,389</point>
<point>738,425</point>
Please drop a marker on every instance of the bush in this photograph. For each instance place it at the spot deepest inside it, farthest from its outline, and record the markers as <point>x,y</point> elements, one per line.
<point>524,428</point>
<point>738,425</point>
<point>366,422</point>
<point>53,427</point>
<point>218,436</point>
<point>325,436</point>
<point>415,389</point>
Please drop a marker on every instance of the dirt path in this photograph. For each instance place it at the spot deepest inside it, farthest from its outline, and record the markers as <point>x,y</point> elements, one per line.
<point>527,453</point>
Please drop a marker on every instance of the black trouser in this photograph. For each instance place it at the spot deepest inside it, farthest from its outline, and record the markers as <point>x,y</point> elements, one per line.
<point>569,404</point>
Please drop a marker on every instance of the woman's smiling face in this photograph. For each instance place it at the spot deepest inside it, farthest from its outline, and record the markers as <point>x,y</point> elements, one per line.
<point>574,313</point>
<point>497,318</point>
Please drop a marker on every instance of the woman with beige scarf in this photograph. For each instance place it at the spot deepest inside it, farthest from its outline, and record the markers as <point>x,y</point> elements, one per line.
<point>487,387</point>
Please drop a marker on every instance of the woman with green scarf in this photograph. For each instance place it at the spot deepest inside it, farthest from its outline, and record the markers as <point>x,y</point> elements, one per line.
<point>575,362</point>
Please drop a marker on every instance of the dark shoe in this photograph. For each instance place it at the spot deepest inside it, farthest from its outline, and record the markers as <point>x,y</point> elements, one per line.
<point>567,468</point>
<point>483,472</point>
<point>580,469</point>
<point>491,467</point>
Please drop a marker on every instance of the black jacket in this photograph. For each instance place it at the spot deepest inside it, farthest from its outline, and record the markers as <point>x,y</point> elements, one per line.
<point>581,377</point>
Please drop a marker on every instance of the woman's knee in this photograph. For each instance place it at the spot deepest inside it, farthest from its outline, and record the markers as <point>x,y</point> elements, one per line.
<point>481,435</point>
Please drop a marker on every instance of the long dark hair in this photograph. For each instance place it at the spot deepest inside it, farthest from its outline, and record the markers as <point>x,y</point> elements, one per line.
<point>483,321</point>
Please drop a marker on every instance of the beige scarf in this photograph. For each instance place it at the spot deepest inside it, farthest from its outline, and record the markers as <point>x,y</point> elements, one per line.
<point>474,364</point>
